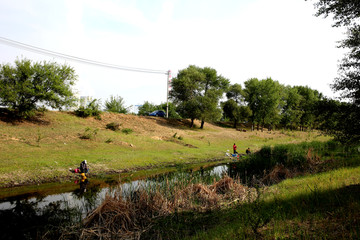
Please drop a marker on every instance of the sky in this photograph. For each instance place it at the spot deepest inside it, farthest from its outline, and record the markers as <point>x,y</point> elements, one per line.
<point>281,39</point>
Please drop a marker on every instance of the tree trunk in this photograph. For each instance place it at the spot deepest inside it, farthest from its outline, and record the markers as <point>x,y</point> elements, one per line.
<point>235,123</point>
<point>192,123</point>
<point>202,124</point>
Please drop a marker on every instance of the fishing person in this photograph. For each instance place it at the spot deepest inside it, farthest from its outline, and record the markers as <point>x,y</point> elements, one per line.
<point>84,167</point>
<point>248,151</point>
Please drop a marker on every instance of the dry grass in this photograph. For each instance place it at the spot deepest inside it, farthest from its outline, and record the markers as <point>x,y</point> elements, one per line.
<point>121,217</point>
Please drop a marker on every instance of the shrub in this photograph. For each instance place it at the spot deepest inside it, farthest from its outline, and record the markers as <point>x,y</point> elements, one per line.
<point>89,134</point>
<point>127,130</point>
<point>113,126</point>
<point>92,109</point>
<point>116,104</point>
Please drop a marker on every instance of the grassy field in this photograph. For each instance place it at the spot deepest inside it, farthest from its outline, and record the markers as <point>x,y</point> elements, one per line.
<point>320,203</point>
<point>43,149</point>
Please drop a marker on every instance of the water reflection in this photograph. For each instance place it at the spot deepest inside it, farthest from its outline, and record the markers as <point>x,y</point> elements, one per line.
<point>36,213</point>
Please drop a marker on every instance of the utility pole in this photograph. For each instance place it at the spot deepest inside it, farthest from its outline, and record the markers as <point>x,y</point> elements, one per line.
<point>167,94</point>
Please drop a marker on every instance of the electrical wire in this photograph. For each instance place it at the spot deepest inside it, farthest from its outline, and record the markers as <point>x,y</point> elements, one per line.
<point>27,47</point>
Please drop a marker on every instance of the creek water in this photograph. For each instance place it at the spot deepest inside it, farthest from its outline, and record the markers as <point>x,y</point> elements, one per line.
<point>87,195</point>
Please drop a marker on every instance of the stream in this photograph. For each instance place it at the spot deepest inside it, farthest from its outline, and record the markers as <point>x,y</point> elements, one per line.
<point>89,194</point>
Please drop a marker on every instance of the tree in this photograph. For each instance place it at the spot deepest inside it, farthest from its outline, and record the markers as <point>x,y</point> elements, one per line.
<point>116,104</point>
<point>339,119</point>
<point>171,110</point>
<point>308,99</point>
<point>236,112</point>
<point>196,92</point>
<point>146,108</point>
<point>27,86</point>
<point>347,14</point>
<point>263,98</point>
<point>236,93</point>
<point>213,86</point>
<point>291,112</point>
<point>233,108</point>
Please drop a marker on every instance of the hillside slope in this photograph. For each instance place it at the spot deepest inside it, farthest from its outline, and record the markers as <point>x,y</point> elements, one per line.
<point>45,148</point>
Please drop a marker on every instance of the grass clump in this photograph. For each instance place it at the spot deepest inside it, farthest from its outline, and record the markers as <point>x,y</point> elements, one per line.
<point>127,130</point>
<point>89,133</point>
<point>113,126</point>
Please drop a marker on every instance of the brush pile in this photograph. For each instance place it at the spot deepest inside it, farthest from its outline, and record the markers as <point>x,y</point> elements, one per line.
<point>122,217</point>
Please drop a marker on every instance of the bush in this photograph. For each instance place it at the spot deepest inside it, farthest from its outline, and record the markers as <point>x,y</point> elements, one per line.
<point>116,104</point>
<point>89,134</point>
<point>127,130</point>
<point>92,109</point>
<point>113,126</point>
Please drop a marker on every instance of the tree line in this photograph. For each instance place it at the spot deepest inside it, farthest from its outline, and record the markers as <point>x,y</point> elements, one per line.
<point>199,93</point>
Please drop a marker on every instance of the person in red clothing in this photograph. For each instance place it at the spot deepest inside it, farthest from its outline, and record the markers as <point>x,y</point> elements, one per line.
<point>234,147</point>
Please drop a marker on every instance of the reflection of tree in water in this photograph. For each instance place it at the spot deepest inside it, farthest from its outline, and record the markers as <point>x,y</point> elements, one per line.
<point>88,193</point>
<point>29,221</point>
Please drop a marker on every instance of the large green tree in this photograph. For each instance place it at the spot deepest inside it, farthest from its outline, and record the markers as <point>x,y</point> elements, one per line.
<point>234,108</point>
<point>291,112</point>
<point>27,86</point>
<point>196,92</point>
<point>308,100</point>
<point>346,13</point>
<point>263,98</point>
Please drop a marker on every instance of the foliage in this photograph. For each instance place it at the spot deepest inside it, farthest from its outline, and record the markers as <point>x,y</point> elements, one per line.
<point>27,86</point>
<point>291,111</point>
<point>171,110</point>
<point>116,105</point>
<point>92,109</point>
<point>347,14</point>
<point>146,108</point>
<point>127,130</point>
<point>89,133</point>
<point>340,120</point>
<point>263,98</point>
<point>197,91</point>
<point>113,126</point>
<point>234,112</point>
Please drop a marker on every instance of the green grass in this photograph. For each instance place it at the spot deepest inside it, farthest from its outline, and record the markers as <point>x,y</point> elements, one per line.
<point>39,150</point>
<point>321,206</point>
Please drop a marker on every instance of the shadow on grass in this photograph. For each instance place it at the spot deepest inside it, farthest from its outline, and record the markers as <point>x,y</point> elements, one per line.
<point>8,117</point>
<point>332,214</point>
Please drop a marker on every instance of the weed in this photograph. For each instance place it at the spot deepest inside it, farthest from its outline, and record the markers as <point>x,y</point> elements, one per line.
<point>39,137</point>
<point>89,133</point>
<point>127,130</point>
<point>109,140</point>
<point>113,126</point>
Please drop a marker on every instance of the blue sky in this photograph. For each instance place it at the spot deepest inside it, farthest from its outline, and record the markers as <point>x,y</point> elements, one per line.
<point>281,39</point>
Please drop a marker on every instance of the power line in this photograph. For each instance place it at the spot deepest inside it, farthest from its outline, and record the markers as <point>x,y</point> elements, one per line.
<point>27,47</point>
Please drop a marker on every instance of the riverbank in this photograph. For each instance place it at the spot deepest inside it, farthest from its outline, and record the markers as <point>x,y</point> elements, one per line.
<point>43,149</point>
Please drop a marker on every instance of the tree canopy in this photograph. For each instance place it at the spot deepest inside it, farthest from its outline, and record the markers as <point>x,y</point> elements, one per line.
<point>196,92</point>
<point>346,14</point>
<point>263,98</point>
<point>27,86</point>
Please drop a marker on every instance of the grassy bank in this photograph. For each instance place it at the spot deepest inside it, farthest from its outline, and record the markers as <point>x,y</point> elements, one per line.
<point>43,149</point>
<point>320,203</point>
<point>314,203</point>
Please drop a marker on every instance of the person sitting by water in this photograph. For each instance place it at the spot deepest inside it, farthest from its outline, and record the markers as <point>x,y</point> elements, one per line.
<point>84,167</point>
<point>248,151</point>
